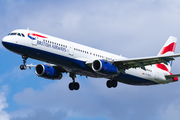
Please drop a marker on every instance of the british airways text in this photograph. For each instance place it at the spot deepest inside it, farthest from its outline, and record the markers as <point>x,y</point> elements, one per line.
<point>42,43</point>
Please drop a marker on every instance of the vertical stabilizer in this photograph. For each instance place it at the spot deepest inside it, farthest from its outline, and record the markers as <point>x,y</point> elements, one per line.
<point>167,49</point>
<point>169,46</point>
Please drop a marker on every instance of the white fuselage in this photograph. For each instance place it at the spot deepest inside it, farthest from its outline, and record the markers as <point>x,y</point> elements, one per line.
<point>38,46</point>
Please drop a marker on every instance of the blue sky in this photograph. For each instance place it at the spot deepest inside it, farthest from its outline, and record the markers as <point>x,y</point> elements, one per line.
<point>133,28</point>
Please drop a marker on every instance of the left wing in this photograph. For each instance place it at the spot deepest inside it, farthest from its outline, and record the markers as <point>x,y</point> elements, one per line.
<point>142,62</point>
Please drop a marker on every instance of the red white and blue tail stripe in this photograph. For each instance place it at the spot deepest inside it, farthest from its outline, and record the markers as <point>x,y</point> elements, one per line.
<point>167,49</point>
<point>169,46</point>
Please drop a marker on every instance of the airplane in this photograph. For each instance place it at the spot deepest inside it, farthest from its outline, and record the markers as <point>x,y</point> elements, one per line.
<point>62,56</point>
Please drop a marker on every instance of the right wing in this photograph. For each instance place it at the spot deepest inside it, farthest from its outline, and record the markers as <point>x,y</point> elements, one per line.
<point>142,62</point>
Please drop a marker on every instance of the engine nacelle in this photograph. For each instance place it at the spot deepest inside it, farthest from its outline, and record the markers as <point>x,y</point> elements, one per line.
<point>47,72</point>
<point>104,67</point>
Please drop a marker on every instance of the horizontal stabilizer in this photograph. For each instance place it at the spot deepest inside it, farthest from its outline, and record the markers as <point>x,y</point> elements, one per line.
<point>171,76</point>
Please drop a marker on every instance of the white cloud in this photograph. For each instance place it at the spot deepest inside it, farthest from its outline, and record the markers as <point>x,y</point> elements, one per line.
<point>171,111</point>
<point>15,74</point>
<point>3,114</point>
<point>42,114</point>
<point>20,113</point>
<point>95,100</point>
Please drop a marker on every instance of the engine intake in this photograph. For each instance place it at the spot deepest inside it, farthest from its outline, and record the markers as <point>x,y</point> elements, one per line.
<point>104,67</point>
<point>47,72</point>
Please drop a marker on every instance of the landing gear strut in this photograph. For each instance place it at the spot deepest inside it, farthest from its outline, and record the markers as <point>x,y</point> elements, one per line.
<point>23,67</point>
<point>111,83</point>
<point>73,85</point>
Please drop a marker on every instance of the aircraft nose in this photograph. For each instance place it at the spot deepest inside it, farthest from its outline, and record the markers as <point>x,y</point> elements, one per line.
<point>4,40</point>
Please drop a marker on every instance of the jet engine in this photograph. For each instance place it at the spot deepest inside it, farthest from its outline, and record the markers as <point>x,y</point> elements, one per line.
<point>47,72</point>
<point>104,67</point>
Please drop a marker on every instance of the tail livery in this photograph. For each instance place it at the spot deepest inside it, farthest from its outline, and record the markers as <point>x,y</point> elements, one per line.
<point>168,49</point>
<point>169,46</point>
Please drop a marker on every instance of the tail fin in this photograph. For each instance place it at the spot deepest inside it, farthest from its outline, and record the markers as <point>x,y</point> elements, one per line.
<point>167,49</point>
<point>169,46</point>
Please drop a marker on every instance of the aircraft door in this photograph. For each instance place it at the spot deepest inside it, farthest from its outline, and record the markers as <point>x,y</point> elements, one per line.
<point>34,41</point>
<point>156,73</point>
<point>70,49</point>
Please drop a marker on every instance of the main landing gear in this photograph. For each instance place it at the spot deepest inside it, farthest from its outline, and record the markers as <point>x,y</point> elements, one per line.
<point>111,83</point>
<point>73,85</point>
<point>23,67</point>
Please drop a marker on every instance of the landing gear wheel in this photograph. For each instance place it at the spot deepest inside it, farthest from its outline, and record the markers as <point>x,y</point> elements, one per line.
<point>108,84</point>
<point>23,67</point>
<point>71,86</point>
<point>74,86</point>
<point>114,83</point>
<point>111,83</point>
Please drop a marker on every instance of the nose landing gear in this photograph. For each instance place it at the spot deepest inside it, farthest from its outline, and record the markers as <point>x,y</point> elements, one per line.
<point>23,67</point>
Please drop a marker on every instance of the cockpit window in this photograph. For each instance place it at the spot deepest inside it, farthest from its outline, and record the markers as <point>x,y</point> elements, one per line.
<point>19,34</point>
<point>13,33</point>
<point>22,34</point>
